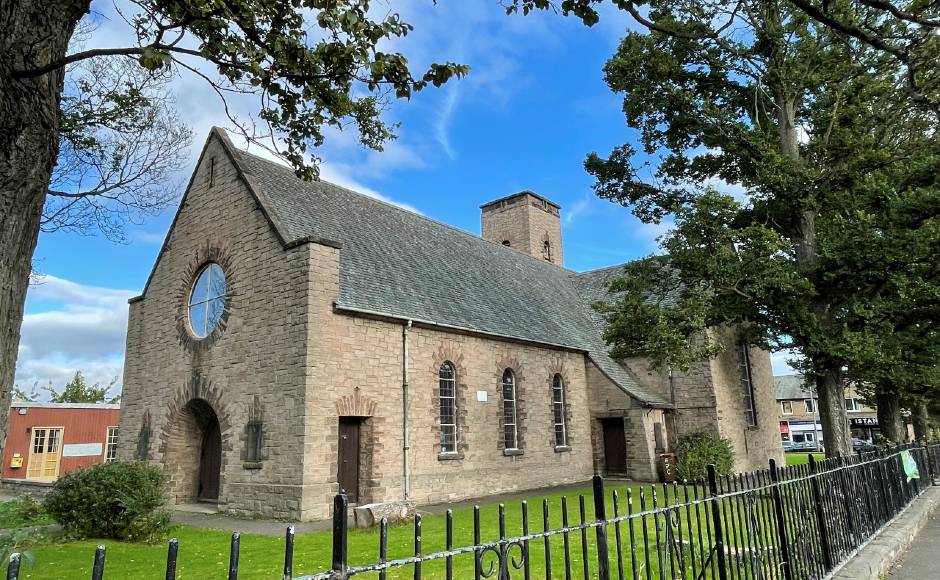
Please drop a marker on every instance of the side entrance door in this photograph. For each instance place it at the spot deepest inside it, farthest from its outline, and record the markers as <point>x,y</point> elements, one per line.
<point>348,468</point>
<point>615,445</point>
<point>210,461</point>
<point>44,451</point>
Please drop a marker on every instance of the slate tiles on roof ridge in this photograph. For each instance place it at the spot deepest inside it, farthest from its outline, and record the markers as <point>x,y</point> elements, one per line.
<point>794,386</point>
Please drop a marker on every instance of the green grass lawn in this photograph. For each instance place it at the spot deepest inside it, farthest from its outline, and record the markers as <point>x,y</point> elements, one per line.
<point>204,553</point>
<point>803,458</point>
<point>21,513</point>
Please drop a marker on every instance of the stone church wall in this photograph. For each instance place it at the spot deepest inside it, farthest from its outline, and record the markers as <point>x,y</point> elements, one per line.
<point>253,365</point>
<point>608,401</point>
<point>356,362</point>
<point>753,445</point>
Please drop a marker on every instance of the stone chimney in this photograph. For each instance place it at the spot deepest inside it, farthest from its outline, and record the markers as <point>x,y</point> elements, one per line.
<point>526,222</point>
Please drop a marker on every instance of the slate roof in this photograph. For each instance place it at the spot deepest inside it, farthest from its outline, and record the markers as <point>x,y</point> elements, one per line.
<point>789,387</point>
<point>397,263</point>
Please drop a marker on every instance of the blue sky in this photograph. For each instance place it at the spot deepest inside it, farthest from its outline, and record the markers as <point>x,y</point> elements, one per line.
<point>533,106</point>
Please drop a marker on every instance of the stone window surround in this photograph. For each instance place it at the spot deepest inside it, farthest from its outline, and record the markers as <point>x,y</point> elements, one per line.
<point>207,301</point>
<point>518,371</point>
<point>562,388</point>
<point>204,255</point>
<point>452,379</point>
<point>558,368</point>
<point>508,384</point>
<point>446,353</point>
<point>254,436</point>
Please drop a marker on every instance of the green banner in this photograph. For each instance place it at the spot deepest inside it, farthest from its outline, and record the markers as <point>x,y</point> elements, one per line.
<point>910,466</point>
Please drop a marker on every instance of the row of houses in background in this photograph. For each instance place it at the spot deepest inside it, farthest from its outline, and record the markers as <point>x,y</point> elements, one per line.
<point>800,428</point>
<point>46,440</point>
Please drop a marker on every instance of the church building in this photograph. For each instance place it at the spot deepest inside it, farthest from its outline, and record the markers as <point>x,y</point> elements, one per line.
<point>295,339</point>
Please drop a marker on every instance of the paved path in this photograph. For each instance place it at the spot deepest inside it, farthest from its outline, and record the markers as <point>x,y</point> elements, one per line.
<point>922,560</point>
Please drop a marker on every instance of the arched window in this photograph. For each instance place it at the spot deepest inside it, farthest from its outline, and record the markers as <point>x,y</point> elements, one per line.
<point>547,250</point>
<point>559,411</point>
<point>447,381</point>
<point>510,418</point>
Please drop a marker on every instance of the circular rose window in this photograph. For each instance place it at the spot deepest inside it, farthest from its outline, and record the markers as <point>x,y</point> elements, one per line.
<point>207,300</point>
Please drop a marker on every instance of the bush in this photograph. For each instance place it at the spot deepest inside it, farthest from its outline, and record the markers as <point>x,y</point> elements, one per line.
<point>28,509</point>
<point>120,500</point>
<point>695,451</point>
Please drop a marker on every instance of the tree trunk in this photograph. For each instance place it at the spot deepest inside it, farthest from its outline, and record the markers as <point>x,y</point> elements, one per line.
<point>921,419</point>
<point>31,34</point>
<point>890,422</point>
<point>830,388</point>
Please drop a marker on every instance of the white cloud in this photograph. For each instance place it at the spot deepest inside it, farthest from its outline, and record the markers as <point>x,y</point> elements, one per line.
<point>779,364</point>
<point>70,327</point>
<point>148,238</point>
<point>649,234</point>
<point>580,208</point>
<point>442,124</point>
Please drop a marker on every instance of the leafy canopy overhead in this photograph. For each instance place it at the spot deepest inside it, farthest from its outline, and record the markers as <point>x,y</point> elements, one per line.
<point>314,63</point>
<point>831,245</point>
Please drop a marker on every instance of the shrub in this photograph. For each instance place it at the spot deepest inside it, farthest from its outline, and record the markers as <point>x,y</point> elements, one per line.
<point>120,500</point>
<point>696,450</point>
<point>28,509</point>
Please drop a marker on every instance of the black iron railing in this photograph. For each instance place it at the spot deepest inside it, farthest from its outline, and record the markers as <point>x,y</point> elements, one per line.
<point>787,523</point>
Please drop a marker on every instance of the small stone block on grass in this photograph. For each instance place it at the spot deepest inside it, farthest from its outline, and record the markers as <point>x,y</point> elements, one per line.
<point>369,515</point>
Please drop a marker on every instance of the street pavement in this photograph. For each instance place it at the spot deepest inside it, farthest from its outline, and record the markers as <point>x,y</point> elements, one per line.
<point>922,560</point>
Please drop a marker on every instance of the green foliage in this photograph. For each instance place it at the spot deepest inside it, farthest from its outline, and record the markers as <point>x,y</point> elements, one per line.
<point>317,64</point>
<point>28,509</point>
<point>24,511</point>
<point>77,391</point>
<point>120,500</point>
<point>696,451</point>
<point>20,395</point>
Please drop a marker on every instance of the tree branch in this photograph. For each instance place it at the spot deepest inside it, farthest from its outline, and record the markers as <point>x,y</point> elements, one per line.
<point>86,54</point>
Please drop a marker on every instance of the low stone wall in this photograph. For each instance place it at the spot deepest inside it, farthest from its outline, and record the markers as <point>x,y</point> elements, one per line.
<point>21,486</point>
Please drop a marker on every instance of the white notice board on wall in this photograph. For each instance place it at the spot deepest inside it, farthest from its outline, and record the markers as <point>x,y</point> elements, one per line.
<point>81,449</point>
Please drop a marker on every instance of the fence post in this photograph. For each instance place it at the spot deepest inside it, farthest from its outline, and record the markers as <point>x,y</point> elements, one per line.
<point>847,498</point>
<point>289,553</point>
<point>13,569</point>
<point>233,554</point>
<point>171,553</point>
<point>600,515</point>
<point>97,571</point>
<point>826,547</point>
<point>927,461</point>
<point>716,520</point>
<point>340,536</point>
<point>775,493</point>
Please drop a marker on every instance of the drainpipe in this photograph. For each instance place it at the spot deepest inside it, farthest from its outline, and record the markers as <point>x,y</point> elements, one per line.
<point>675,408</point>
<point>406,472</point>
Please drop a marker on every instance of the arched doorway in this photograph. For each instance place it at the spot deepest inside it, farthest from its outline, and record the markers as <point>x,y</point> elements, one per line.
<point>194,453</point>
